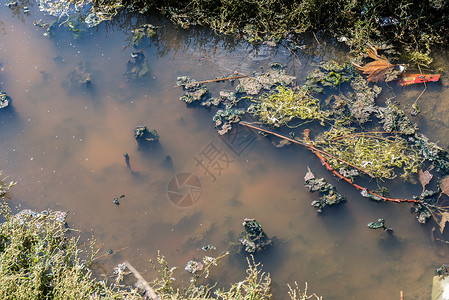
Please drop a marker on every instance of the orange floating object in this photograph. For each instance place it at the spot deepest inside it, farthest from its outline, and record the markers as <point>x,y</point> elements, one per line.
<point>408,79</point>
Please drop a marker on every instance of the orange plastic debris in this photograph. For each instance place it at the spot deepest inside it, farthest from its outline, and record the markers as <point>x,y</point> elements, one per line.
<point>408,79</point>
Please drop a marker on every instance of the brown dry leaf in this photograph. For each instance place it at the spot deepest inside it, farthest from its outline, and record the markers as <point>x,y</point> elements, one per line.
<point>444,185</point>
<point>444,219</point>
<point>376,69</point>
<point>424,178</point>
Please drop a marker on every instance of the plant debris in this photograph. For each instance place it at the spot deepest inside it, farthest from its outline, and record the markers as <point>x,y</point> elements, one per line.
<point>328,193</point>
<point>3,100</point>
<point>143,32</point>
<point>254,84</point>
<point>253,239</point>
<point>136,68</point>
<point>380,224</point>
<point>145,137</point>
<point>284,105</point>
<point>377,70</point>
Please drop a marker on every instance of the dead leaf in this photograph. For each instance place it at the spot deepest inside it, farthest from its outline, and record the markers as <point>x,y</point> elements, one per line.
<point>444,219</point>
<point>309,175</point>
<point>376,69</point>
<point>424,177</point>
<point>444,185</point>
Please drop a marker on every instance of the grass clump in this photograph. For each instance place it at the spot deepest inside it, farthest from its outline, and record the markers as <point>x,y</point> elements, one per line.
<point>38,260</point>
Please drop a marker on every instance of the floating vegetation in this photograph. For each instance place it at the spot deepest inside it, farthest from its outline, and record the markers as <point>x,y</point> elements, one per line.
<point>253,239</point>
<point>345,148</point>
<point>394,119</point>
<point>145,137</point>
<point>192,90</point>
<point>228,99</point>
<point>49,26</point>
<point>438,156</point>
<point>328,74</point>
<point>380,224</point>
<point>224,118</point>
<point>77,78</point>
<point>136,68</point>
<point>374,152</point>
<point>92,13</point>
<point>194,267</point>
<point>379,69</point>
<point>363,100</point>
<point>328,193</point>
<point>283,105</point>
<point>145,31</point>
<point>4,101</point>
<point>208,247</point>
<point>193,95</point>
<point>24,216</point>
<point>254,84</point>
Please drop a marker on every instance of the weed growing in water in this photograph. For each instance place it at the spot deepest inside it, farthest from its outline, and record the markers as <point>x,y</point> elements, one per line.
<point>284,104</point>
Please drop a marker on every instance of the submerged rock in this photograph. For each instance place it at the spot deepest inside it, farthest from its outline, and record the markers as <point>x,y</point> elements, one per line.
<point>254,238</point>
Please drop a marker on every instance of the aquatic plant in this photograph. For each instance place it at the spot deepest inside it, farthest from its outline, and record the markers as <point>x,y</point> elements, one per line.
<point>296,294</point>
<point>374,152</point>
<point>4,187</point>
<point>255,286</point>
<point>283,105</point>
<point>328,192</point>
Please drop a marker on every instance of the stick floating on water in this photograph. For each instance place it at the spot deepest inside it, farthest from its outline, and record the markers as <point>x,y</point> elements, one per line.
<point>215,80</point>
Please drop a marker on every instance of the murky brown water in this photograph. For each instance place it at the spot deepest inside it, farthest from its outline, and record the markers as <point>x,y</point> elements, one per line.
<point>65,149</point>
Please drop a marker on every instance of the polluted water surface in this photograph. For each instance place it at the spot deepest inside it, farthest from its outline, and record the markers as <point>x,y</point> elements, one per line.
<point>80,98</point>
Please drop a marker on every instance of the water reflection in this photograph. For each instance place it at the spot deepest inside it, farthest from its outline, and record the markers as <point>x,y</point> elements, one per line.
<point>64,143</point>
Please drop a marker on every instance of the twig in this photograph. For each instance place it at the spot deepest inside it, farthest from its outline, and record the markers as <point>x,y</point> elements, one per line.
<point>319,44</point>
<point>295,57</point>
<point>305,145</point>
<point>141,281</point>
<point>425,88</point>
<point>215,80</point>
